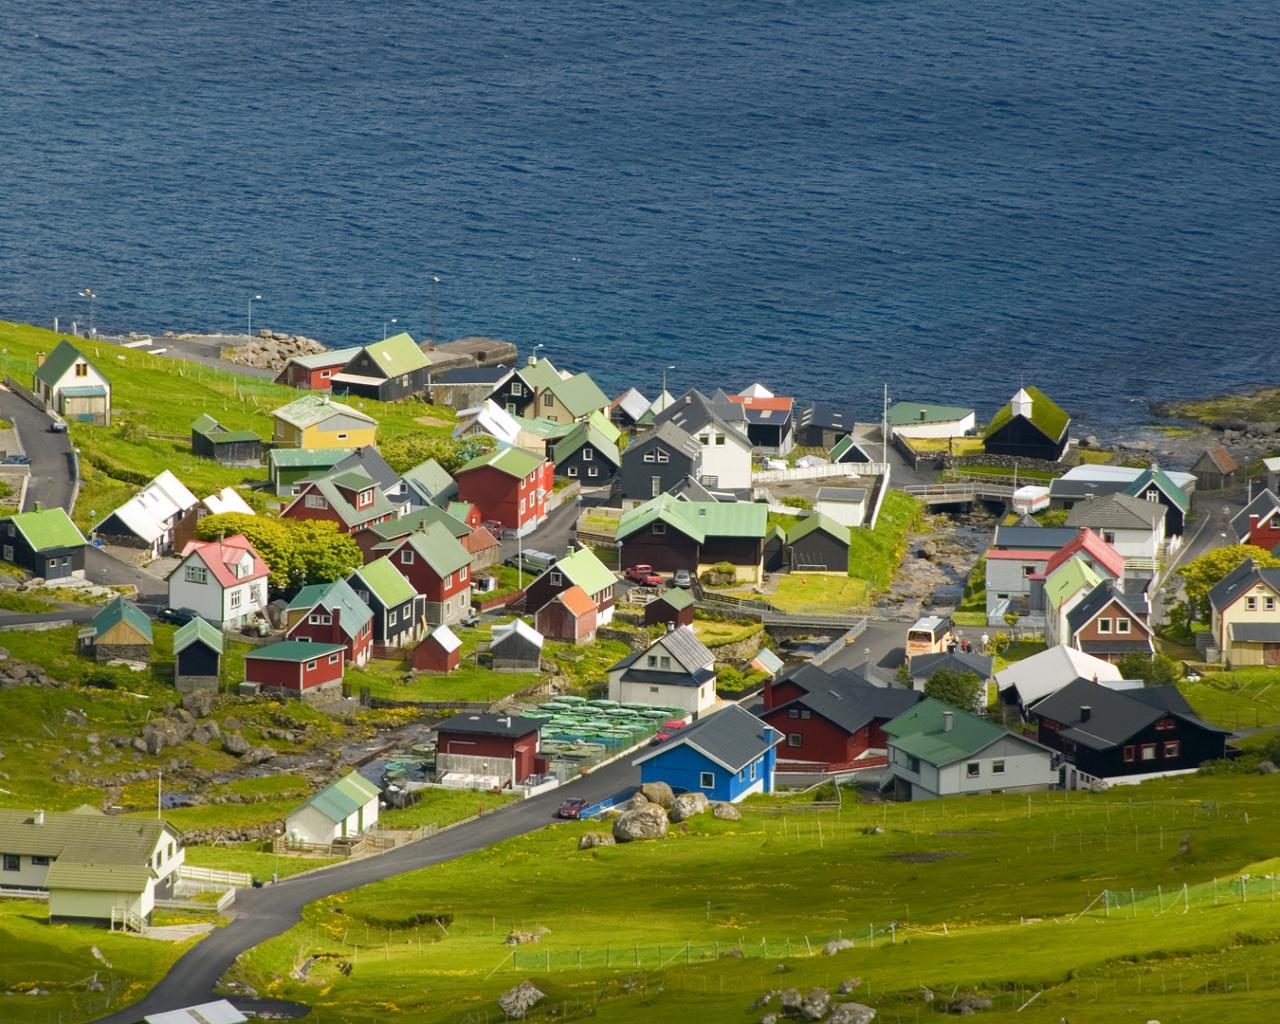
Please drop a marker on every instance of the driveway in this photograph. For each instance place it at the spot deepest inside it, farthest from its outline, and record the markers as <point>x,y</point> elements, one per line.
<point>100,567</point>
<point>51,476</point>
<point>553,536</point>
<point>263,913</point>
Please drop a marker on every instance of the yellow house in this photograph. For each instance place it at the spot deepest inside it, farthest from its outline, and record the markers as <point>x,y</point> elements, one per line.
<point>562,397</point>
<point>316,421</point>
<point>1246,616</point>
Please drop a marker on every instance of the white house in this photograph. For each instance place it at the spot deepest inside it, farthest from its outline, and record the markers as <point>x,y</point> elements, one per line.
<point>1034,678</point>
<point>846,505</point>
<point>149,518</point>
<point>342,810</point>
<point>719,427</point>
<point>488,418</point>
<point>227,500</point>
<point>224,581</point>
<point>920,419</point>
<point>676,670</point>
<point>68,383</point>
<point>1132,526</point>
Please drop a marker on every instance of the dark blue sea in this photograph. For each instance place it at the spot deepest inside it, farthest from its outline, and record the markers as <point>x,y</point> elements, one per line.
<point>948,197</point>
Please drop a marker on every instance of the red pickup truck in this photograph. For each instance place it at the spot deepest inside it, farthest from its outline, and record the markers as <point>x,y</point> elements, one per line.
<point>644,574</point>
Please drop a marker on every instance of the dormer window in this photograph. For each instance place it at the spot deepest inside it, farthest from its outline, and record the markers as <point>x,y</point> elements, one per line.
<point>364,498</point>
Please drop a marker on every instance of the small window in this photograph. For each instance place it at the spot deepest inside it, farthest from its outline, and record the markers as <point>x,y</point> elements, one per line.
<point>1251,604</point>
<point>805,713</point>
<point>1269,604</point>
<point>592,471</point>
<point>393,617</point>
<point>448,579</point>
<point>1172,749</point>
<point>1104,625</point>
<point>704,439</point>
<point>572,471</point>
<point>556,579</point>
<point>1109,536</point>
<point>1129,753</point>
<point>663,456</point>
<point>659,528</point>
<point>311,666</point>
<point>342,437</point>
<point>1028,570</point>
<point>753,771</point>
<point>333,659</point>
<point>972,769</point>
<point>406,556</point>
<point>548,400</point>
<point>171,851</point>
<point>653,689</point>
<point>38,861</point>
<point>653,661</point>
<point>236,597</point>
<point>1148,751</point>
<point>196,574</point>
<point>794,739</point>
<point>997,767</point>
<point>1165,724</point>
<point>12,862</point>
<point>588,454</point>
<point>517,389</point>
<point>326,373</point>
<point>707,781</point>
<point>315,501</point>
<point>742,775</point>
<point>664,662</point>
<point>82,369</point>
<point>793,712</point>
<point>720,439</point>
<point>1122,625</point>
<point>649,456</point>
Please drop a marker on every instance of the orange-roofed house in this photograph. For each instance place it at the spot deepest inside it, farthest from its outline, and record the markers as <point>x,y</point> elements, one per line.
<point>570,616</point>
<point>1100,556</point>
<point>770,419</point>
<point>223,581</point>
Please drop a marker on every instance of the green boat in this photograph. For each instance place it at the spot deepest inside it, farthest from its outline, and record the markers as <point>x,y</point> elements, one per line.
<point>603,703</point>
<point>568,698</point>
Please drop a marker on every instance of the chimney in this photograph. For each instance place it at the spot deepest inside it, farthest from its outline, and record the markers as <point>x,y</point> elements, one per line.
<point>948,720</point>
<point>39,818</point>
<point>688,399</point>
<point>570,548</point>
<point>1086,712</point>
<point>533,361</point>
<point>39,359</point>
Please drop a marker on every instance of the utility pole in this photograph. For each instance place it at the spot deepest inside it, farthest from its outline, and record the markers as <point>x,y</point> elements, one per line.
<point>435,289</point>
<point>159,789</point>
<point>884,427</point>
<point>252,300</point>
<point>90,294</point>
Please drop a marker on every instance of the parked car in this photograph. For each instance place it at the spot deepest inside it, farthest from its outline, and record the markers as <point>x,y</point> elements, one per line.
<point>534,560</point>
<point>669,728</point>
<point>177,616</point>
<point>17,460</point>
<point>496,528</point>
<point>58,427</point>
<point>644,574</point>
<point>572,808</point>
<point>682,578</point>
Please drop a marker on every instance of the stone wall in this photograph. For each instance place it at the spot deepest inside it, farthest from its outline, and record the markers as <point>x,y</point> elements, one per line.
<point>123,652</point>
<point>187,684</point>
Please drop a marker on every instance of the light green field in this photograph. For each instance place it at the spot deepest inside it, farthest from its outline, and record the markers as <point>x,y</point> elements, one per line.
<point>1241,699</point>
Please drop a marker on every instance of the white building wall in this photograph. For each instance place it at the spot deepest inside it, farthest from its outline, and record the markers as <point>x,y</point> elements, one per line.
<point>96,905</point>
<point>692,700</point>
<point>729,463</point>
<point>847,513</point>
<point>947,428</point>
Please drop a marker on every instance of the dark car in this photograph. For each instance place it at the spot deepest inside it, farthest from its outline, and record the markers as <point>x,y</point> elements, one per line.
<point>572,808</point>
<point>495,528</point>
<point>178,616</point>
<point>58,427</point>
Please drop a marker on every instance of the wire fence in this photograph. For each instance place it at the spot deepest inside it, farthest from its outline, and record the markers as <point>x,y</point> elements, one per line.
<point>1182,899</point>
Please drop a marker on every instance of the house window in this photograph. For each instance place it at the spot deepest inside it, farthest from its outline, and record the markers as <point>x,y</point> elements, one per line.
<point>794,739</point>
<point>1109,536</point>
<point>659,528</point>
<point>793,713</point>
<point>1129,752</point>
<point>650,456</point>
<point>1122,625</point>
<point>653,661</point>
<point>1028,570</point>
<point>522,506</point>
<point>972,769</point>
<point>319,619</point>
<point>592,471</point>
<point>333,659</point>
<point>704,439</point>
<point>1165,725</point>
<point>311,666</point>
<point>805,713</point>
<point>196,574</point>
<point>448,579</point>
<point>572,471</point>
<point>1269,604</point>
<point>753,771</point>
<point>8,552</point>
<point>1153,496</point>
<point>392,617</point>
<point>342,437</point>
<point>406,556</point>
<point>588,454</point>
<point>37,861</point>
<point>326,373</point>
<point>913,763</point>
<point>82,369</point>
<point>315,501</point>
<point>1251,604</point>
<point>655,486</point>
<point>556,579</point>
<point>1172,748</point>
<point>236,597</point>
<point>1104,625</point>
<point>707,781</point>
<point>742,775</point>
<point>997,767</point>
<point>662,455</point>
<point>462,574</point>
<point>719,439</point>
<point>53,563</point>
<point>653,689</point>
<point>548,400</point>
<point>11,860</point>
<point>664,662</point>
<point>1148,751</point>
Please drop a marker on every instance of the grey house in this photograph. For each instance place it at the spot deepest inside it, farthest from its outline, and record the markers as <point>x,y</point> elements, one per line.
<point>658,461</point>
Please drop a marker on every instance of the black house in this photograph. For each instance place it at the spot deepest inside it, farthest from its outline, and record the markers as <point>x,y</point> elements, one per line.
<point>387,370</point>
<point>1031,425</point>
<point>658,461</point>
<point>819,425</point>
<point>1105,734</point>
<point>819,544</point>
<point>45,542</point>
<point>211,440</point>
<point>197,655</point>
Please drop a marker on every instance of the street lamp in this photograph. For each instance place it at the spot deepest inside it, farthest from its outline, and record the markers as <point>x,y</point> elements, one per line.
<point>252,300</point>
<point>393,320</point>
<point>90,294</point>
<point>435,305</point>
<point>664,379</point>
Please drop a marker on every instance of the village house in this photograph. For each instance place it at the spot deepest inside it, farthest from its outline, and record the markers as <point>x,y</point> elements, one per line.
<point>483,547</point>
<point>1134,527</point>
<point>770,419</point>
<point>846,505</point>
<point>509,486</point>
<point>922,668</point>
<point>1258,523</point>
<point>226,500</point>
<point>588,453</point>
<point>1106,737</point>
<point>399,611</point>
<point>197,656</point>
<point>288,468</point>
<point>467,386</point>
<point>819,425</point>
<point>497,750</point>
<point>44,542</point>
<point>1031,425</point>
<point>1011,576</point>
<point>540,435</point>
<point>938,750</point>
<point>1109,623</point>
<point>305,670</point>
<point>658,460</point>
<point>515,646</point>
<point>70,385</point>
<point>487,420</point>
<point>517,392</point>
<point>315,372</point>
<point>726,756</point>
<point>331,613</point>
<point>923,420</point>
<point>438,567</point>
<point>316,421</point>
<point>1216,470</point>
<point>429,484</point>
<point>676,670</point>
<point>223,581</point>
<point>579,567</point>
<point>720,429</point>
<point>211,440</point>
<point>1245,616</point>
<point>1064,588</point>
<point>440,651</point>
<point>1080,483</point>
<point>96,869</point>
<point>121,631</point>
<point>149,519</point>
<point>569,616</point>
<point>626,411</point>
<point>1025,682</point>
<point>350,499</point>
<point>819,544</point>
<point>672,607</point>
<point>370,461</point>
<point>847,450</point>
<point>388,370</point>
<point>1154,484</point>
<point>670,534</point>
<point>345,809</point>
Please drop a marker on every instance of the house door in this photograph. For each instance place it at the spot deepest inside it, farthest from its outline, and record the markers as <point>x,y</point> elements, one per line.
<point>1271,654</point>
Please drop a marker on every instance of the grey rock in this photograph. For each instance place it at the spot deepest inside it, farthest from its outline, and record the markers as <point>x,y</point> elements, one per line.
<point>851,1013</point>
<point>139,745</point>
<point>636,801</point>
<point>1266,768</point>
<point>76,717</point>
<point>198,703</point>
<point>686,805</point>
<point>647,822</point>
<point>235,744</point>
<point>590,840</point>
<point>726,812</point>
<point>835,945</point>
<point>731,954</point>
<point>873,830</point>
<point>769,1018</point>
<point>968,1004</point>
<point>763,1000</point>
<point>518,1001</point>
<point>257,755</point>
<point>816,1004</point>
<point>848,985</point>
<point>658,793</point>
<point>926,994</point>
<point>792,1000</point>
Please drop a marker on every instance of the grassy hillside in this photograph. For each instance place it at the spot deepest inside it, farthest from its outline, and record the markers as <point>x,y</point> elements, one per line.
<point>639,933</point>
<point>154,402</point>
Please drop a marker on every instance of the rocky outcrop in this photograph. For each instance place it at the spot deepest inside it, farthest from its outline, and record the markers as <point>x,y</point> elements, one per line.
<point>726,812</point>
<point>19,673</point>
<point>235,744</point>
<point>198,703</point>
<point>658,793</point>
<point>518,1001</point>
<point>851,1013</point>
<point>646,822</point>
<point>270,350</point>
<point>590,840</point>
<point>686,805</point>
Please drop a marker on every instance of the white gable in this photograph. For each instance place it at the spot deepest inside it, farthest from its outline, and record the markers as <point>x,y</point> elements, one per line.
<point>1050,670</point>
<point>489,418</point>
<point>227,500</point>
<point>446,638</point>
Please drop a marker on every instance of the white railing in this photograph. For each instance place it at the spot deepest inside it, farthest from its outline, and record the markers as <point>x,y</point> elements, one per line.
<point>23,894</point>
<point>820,472</point>
<point>127,920</point>
<point>214,876</point>
<point>197,907</point>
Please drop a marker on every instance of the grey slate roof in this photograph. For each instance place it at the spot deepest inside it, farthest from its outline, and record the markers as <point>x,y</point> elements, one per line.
<point>371,461</point>
<point>1039,538</point>
<point>1114,715</point>
<point>693,490</point>
<point>695,663</point>
<point>674,436</point>
<point>693,410</point>
<point>1262,505</point>
<point>1101,596</point>
<point>1117,512</point>
<point>923,666</point>
<point>828,417</point>
<point>732,737</point>
<point>853,703</point>
<point>512,726</point>
<point>1240,579</point>
<point>842,494</point>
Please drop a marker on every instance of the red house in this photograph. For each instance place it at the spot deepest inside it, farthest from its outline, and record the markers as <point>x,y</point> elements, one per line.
<point>832,721</point>
<point>1259,522</point>
<point>434,561</point>
<point>332,613</point>
<point>441,651</point>
<point>1100,556</point>
<point>292,668</point>
<point>315,372</point>
<point>509,485</point>
<point>352,499</point>
<point>569,616</point>
<point>506,747</point>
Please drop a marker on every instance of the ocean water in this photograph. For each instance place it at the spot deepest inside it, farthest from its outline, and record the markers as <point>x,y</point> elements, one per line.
<point>950,198</point>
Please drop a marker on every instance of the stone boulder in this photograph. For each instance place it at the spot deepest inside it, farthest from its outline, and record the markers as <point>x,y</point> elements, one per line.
<point>686,805</point>
<point>763,1000</point>
<point>590,840</point>
<point>851,1013</point>
<point>198,703</point>
<point>968,1004</point>
<point>516,1002</point>
<point>257,755</point>
<point>848,985</point>
<point>235,744</point>
<point>726,812</point>
<point>658,793</point>
<point>1266,768</point>
<point>835,945</point>
<point>792,999</point>
<point>816,1004</point>
<point>636,801</point>
<point>206,732</point>
<point>647,822</point>
<point>76,717</point>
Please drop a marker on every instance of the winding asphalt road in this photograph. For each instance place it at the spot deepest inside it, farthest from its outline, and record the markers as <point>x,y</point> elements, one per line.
<point>261,914</point>
<point>50,454</point>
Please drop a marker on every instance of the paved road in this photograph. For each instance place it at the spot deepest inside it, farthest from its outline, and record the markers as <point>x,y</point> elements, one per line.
<point>76,613</point>
<point>100,567</point>
<point>552,536</point>
<point>263,913</point>
<point>50,454</point>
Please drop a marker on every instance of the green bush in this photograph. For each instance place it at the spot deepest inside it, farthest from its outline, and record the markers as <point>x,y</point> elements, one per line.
<point>795,501</point>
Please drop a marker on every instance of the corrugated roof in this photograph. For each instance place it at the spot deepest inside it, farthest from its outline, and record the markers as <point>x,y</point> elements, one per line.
<point>445,637</point>
<point>921,732</point>
<point>329,357</point>
<point>309,410</point>
<point>1097,550</point>
<point>381,578</point>
<point>1050,670</point>
<point>397,355</point>
<point>293,650</point>
<point>339,800</point>
<point>515,628</point>
<point>149,512</point>
<point>508,726</point>
<point>430,480</point>
<point>84,836</point>
<point>515,462</point>
<point>439,548</point>
<point>70,874</point>
<point>306,458</point>
<point>582,434</point>
<point>393,529</point>
<point>732,737</point>
<point>338,596</point>
<point>119,611</point>
<point>818,521</point>
<point>677,597</point>
<point>1118,512</point>
<point>1072,576</point>
<point>197,630</point>
<point>904,414</point>
<point>47,528</point>
<point>576,600</point>
<point>353,480</point>
<point>59,361</point>
<point>1153,474</point>
<point>1098,598</point>
<point>1240,579</point>
<point>698,519</point>
<point>1264,506</point>
<point>584,568</point>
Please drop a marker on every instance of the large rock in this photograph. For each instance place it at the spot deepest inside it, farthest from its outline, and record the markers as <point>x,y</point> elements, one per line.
<point>792,1000</point>
<point>257,755</point>
<point>647,822</point>
<point>198,702</point>
<point>726,812</point>
<point>235,744</point>
<point>636,801</point>
<point>516,1002</point>
<point>686,805</point>
<point>835,945</point>
<point>206,732</point>
<point>590,840</point>
<point>816,1004</point>
<point>851,1013</point>
<point>658,793</point>
<point>968,1004</point>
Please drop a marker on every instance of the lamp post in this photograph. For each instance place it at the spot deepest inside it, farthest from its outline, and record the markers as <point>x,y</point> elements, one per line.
<point>393,320</point>
<point>664,380</point>
<point>252,300</point>
<point>90,294</point>
<point>435,306</point>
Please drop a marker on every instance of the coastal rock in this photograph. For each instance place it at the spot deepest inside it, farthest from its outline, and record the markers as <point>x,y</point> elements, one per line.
<point>686,805</point>
<point>763,1000</point>
<point>816,1004</point>
<point>658,793</point>
<point>516,1002</point>
<point>851,1013</point>
<point>792,999</point>
<point>726,812</point>
<point>647,822</point>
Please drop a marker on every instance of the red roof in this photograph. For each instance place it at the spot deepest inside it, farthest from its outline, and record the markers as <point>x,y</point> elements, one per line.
<point>478,540</point>
<point>1021,555</point>
<point>577,601</point>
<point>221,555</point>
<point>1090,544</point>
<point>775,403</point>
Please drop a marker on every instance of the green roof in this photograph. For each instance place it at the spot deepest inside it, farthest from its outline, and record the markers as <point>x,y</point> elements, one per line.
<point>539,375</point>
<point>307,596</point>
<point>294,650</point>
<point>515,462</point>
<point>439,548</point>
<point>118,611</point>
<point>306,458</point>
<point>355,480</point>
<point>217,433</point>
<point>584,433</point>
<point>393,529</point>
<point>1069,578</point>
<point>59,361</point>
<point>335,596</point>
<point>309,410</point>
<point>542,427</point>
<point>341,799</point>
<point>904,414</point>
<point>1046,415</point>
<point>842,446</point>
<point>459,510</point>
<point>920,732</point>
<point>1154,474</point>
<point>585,569</point>
<point>678,598</point>
<point>384,580</point>
<point>197,629</point>
<point>47,528</point>
<point>397,354</point>
<point>606,426</point>
<point>86,391</point>
<point>579,394</point>
<point>699,519</point>
<point>428,477</point>
<point>82,839</point>
<point>818,521</point>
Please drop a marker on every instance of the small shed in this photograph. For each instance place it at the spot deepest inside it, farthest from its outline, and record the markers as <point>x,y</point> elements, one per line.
<point>775,549</point>
<point>440,651</point>
<point>342,810</point>
<point>1216,470</point>
<point>516,647</point>
<point>121,631</point>
<point>495,748</point>
<point>767,662</point>
<point>211,440</point>
<point>197,655</point>
<point>819,544</point>
<point>569,616</point>
<point>846,505</point>
<point>673,606</point>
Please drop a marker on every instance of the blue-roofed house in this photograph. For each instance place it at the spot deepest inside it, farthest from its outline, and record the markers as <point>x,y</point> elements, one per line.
<point>727,756</point>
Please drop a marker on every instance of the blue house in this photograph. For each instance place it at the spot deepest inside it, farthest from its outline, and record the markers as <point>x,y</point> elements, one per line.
<point>727,755</point>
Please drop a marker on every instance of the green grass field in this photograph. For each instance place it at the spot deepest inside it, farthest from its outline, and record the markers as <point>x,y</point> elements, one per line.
<point>443,807</point>
<point>718,634</point>
<point>1243,698</point>
<point>874,554</point>
<point>634,932</point>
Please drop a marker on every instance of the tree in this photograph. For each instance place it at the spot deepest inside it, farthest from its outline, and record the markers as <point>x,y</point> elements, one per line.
<point>297,551</point>
<point>403,453</point>
<point>323,554</point>
<point>961,689</point>
<point>1201,574</point>
<point>1160,670</point>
